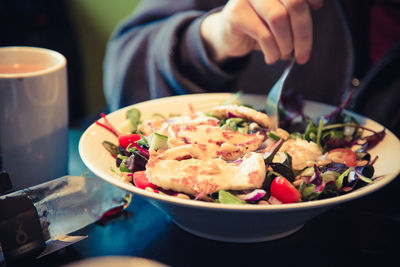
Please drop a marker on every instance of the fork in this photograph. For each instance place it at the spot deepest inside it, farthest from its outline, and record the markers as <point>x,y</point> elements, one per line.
<point>274,96</point>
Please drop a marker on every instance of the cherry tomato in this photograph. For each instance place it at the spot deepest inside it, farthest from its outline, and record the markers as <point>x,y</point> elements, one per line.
<point>284,191</point>
<point>125,140</point>
<point>343,155</point>
<point>140,180</point>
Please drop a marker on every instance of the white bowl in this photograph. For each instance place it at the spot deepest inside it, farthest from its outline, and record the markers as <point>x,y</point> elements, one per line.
<point>224,222</point>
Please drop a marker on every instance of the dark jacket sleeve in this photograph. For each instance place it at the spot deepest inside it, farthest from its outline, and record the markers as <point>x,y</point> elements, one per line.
<point>159,52</point>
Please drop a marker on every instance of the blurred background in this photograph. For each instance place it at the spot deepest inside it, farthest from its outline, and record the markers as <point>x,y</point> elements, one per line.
<point>79,29</point>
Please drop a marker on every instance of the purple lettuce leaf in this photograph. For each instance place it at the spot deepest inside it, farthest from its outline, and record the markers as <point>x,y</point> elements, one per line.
<point>334,115</point>
<point>372,140</point>
<point>337,167</point>
<point>293,102</point>
<point>316,179</point>
<point>291,107</point>
<point>338,143</point>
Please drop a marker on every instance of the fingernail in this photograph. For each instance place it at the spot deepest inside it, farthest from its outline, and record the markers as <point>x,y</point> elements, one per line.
<point>302,59</point>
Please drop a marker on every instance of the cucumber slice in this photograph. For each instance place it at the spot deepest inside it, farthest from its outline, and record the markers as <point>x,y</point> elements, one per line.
<point>227,198</point>
<point>159,141</point>
<point>309,171</point>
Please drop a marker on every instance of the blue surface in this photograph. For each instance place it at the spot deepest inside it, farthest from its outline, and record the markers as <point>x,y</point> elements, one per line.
<point>75,164</point>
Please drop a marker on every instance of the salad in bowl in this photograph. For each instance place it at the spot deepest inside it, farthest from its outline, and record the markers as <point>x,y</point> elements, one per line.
<point>214,165</point>
<point>232,154</point>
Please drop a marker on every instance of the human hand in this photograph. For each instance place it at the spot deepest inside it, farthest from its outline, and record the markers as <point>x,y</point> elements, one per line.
<point>279,28</point>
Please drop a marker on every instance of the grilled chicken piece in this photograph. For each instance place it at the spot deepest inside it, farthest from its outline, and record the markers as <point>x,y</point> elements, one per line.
<point>249,114</point>
<point>201,158</point>
<point>205,132</point>
<point>228,145</point>
<point>188,169</point>
<point>162,126</point>
<point>303,153</point>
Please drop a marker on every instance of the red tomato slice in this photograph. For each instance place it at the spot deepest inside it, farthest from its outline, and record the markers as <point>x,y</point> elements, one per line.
<point>140,180</point>
<point>125,140</point>
<point>284,191</point>
<point>343,155</point>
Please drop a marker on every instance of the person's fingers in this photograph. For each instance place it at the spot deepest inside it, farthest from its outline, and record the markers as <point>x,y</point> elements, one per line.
<point>252,25</point>
<point>301,23</point>
<point>279,27</point>
<point>276,17</point>
<point>315,4</point>
<point>265,40</point>
<point>269,47</point>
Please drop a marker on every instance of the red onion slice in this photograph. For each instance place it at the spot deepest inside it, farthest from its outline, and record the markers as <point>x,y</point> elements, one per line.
<point>254,195</point>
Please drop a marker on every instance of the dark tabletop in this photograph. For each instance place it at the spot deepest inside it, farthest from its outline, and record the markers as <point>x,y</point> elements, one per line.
<point>363,232</point>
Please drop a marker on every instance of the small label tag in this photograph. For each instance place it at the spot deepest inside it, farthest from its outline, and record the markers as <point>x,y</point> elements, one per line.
<point>21,235</point>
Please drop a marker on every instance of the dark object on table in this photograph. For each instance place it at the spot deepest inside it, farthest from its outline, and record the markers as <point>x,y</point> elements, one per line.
<point>20,230</point>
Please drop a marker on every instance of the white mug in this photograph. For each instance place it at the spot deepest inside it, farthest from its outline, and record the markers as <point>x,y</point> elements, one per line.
<point>33,115</point>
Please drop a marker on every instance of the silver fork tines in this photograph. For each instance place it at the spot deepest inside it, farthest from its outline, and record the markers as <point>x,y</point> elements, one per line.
<point>274,96</point>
